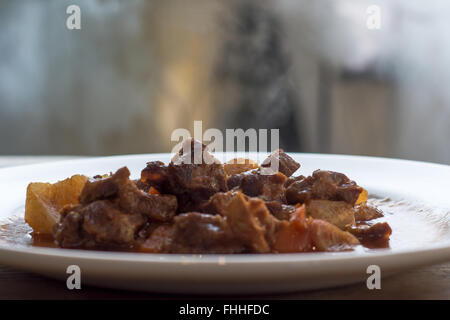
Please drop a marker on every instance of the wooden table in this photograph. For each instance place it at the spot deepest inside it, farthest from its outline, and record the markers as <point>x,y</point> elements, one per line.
<point>426,283</point>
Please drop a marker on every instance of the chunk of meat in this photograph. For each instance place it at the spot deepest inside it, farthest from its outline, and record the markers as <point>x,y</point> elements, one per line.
<point>107,224</point>
<point>67,232</point>
<point>239,165</point>
<point>246,226</point>
<point>325,185</point>
<point>155,174</point>
<point>193,152</point>
<point>218,202</point>
<point>194,183</point>
<point>99,224</point>
<point>131,199</point>
<point>157,207</point>
<point>279,159</point>
<point>372,236</point>
<point>202,233</point>
<point>339,213</point>
<point>157,241</point>
<point>279,210</point>
<point>104,188</point>
<point>364,212</point>
<point>251,223</point>
<point>291,180</point>
<point>327,237</point>
<point>255,184</point>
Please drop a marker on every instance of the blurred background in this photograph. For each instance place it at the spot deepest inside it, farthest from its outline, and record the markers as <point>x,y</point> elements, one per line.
<point>139,69</point>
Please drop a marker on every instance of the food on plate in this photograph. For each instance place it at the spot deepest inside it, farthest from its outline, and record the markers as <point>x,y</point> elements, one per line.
<point>196,204</point>
<point>45,200</point>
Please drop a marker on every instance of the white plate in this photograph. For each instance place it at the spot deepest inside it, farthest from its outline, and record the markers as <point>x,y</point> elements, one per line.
<point>421,235</point>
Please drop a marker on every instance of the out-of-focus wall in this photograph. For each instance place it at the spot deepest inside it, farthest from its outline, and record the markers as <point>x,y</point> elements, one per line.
<point>139,69</point>
<point>385,90</point>
<point>134,72</point>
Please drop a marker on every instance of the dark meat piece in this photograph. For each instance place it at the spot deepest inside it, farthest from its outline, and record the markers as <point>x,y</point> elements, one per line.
<point>291,180</point>
<point>339,213</point>
<point>246,226</point>
<point>278,158</point>
<point>99,224</point>
<point>217,202</point>
<point>157,207</point>
<point>279,210</point>
<point>372,236</point>
<point>131,198</point>
<point>202,233</point>
<point>157,241</point>
<point>67,233</point>
<point>193,152</point>
<point>326,185</point>
<point>142,185</point>
<point>155,174</point>
<point>107,224</point>
<point>195,178</point>
<point>251,223</point>
<point>104,188</point>
<point>255,184</point>
<point>363,212</point>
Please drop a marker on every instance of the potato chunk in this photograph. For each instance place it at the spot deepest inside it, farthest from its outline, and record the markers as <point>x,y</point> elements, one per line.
<point>339,213</point>
<point>45,200</point>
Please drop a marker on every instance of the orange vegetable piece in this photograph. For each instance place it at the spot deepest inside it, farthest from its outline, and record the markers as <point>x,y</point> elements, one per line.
<point>294,236</point>
<point>153,191</point>
<point>362,197</point>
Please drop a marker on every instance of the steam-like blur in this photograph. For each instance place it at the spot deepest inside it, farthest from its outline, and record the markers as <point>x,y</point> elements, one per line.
<point>137,70</point>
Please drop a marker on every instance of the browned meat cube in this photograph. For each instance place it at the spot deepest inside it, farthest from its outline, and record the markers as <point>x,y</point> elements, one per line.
<point>99,224</point>
<point>246,226</point>
<point>202,233</point>
<point>107,224</point>
<point>155,175</point>
<point>339,213</point>
<point>251,223</point>
<point>286,165</point>
<point>372,236</point>
<point>326,185</point>
<point>104,188</point>
<point>327,237</point>
<point>157,241</point>
<point>279,210</point>
<point>255,184</point>
<point>291,180</point>
<point>67,232</point>
<point>218,202</point>
<point>193,184</point>
<point>194,179</point>
<point>155,206</point>
<point>363,212</point>
<point>131,198</point>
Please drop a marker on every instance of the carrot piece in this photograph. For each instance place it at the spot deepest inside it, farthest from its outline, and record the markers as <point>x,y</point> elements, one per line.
<point>362,198</point>
<point>294,236</point>
<point>153,191</point>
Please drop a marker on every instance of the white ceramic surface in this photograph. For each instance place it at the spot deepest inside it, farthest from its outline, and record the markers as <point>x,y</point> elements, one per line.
<point>238,274</point>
